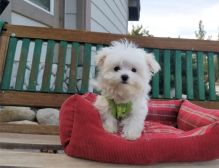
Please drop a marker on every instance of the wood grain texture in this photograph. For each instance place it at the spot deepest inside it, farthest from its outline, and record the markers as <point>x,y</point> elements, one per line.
<point>200,76</point>
<point>9,59</point>
<point>48,66</point>
<point>29,129</point>
<point>189,76</point>
<point>29,141</point>
<point>12,158</point>
<point>33,99</point>
<point>61,67</point>
<point>86,68</point>
<point>22,64</point>
<point>35,65</point>
<point>3,50</point>
<point>166,73</point>
<point>56,100</point>
<point>178,75</point>
<point>155,77</point>
<point>211,76</point>
<point>74,68</point>
<point>106,38</point>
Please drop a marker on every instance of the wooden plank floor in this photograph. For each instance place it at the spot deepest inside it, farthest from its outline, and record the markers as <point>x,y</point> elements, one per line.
<point>22,150</point>
<point>29,141</point>
<point>11,158</point>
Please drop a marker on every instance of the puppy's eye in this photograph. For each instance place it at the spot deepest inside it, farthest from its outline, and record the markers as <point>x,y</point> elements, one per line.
<point>134,70</point>
<point>117,68</point>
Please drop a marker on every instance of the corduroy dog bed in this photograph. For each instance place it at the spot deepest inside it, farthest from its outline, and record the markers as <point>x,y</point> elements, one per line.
<point>175,131</point>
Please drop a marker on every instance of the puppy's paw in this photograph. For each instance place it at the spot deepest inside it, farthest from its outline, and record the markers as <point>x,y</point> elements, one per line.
<point>110,126</point>
<point>131,134</point>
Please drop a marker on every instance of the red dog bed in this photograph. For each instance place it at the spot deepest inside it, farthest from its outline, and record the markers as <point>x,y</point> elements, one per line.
<point>174,131</point>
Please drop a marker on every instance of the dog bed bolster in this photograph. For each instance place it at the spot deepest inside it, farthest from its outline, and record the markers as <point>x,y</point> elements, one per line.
<point>83,136</point>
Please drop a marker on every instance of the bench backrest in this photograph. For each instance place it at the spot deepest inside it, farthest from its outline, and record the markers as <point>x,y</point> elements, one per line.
<point>43,66</point>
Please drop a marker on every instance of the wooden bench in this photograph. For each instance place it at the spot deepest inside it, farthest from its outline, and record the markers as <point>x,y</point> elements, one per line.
<point>25,51</point>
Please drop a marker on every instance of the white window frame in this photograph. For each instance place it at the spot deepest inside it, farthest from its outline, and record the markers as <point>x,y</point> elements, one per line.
<point>51,12</point>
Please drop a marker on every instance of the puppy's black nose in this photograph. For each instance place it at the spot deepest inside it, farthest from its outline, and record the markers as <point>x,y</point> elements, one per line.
<point>124,78</point>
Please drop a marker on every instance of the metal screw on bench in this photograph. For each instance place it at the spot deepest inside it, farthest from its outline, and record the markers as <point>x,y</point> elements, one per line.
<point>13,34</point>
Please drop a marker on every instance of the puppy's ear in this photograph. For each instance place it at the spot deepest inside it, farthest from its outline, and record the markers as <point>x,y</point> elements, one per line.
<point>152,63</point>
<point>100,57</point>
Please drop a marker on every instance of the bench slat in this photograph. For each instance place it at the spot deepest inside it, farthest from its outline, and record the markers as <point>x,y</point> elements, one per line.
<point>48,66</point>
<point>178,75</point>
<point>166,71</point>
<point>29,129</point>
<point>22,64</point>
<point>189,75</point>
<point>74,68</point>
<point>86,68</point>
<point>211,76</point>
<point>200,75</point>
<point>9,63</point>
<point>29,141</point>
<point>155,78</point>
<point>35,65</point>
<point>4,41</point>
<point>61,67</point>
<point>12,158</point>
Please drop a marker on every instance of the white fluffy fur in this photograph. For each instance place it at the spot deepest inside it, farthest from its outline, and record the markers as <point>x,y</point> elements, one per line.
<point>127,56</point>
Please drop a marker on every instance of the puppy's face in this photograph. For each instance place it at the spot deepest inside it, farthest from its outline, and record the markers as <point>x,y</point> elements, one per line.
<point>125,70</point>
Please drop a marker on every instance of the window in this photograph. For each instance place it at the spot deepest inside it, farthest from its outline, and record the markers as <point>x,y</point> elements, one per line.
<point>45,5</point>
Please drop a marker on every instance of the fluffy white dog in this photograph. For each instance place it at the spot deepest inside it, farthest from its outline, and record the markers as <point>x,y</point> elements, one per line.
<point>124,75</point>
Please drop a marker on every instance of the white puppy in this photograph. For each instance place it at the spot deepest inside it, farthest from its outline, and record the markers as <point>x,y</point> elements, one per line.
<point>124,75</point>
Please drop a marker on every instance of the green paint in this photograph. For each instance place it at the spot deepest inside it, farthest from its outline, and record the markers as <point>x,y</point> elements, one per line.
<point>166,73</point>
<point>61,67</point>
<point>48,66</point>
<point>211,76</point>
<point>22,64</point>
<point>74,68</point>
<point>35,65</point>
<point>155,78</point>
<point>9,63</point>
<point>189,75</point>
<point>2,23</point>
<point>200,75</point>
<point>178,75</point>
<point>86,68</point>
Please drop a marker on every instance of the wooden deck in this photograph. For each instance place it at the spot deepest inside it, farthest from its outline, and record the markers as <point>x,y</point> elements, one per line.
<point>23,150</point>
<point>11,158</point>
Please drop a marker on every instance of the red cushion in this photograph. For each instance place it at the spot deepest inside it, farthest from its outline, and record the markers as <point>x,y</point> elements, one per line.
<point>193,116</point>
<point>164,111</point>
<point>83,136</point>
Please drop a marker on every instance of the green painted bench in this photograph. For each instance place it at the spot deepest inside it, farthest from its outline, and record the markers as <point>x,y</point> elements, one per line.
<point>41,67</point>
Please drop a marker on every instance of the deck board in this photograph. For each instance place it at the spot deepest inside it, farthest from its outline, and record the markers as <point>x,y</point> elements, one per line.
<point>29,141</point>
<point>12,158</point>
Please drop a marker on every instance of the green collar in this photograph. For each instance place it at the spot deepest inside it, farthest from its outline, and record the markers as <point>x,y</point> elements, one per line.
<point>120,111</point>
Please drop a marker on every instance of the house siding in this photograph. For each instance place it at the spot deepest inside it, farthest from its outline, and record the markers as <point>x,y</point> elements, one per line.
<point>22,20</point>
<point>70,15</point>
<point>33,14</point>
<point>109,16</point>
<point>6,15</point>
